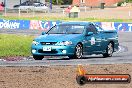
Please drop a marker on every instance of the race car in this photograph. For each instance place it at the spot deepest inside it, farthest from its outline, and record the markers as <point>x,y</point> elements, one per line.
<point>75,39</point>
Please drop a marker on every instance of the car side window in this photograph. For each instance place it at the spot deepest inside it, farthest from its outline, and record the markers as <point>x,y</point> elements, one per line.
<point>91,28</point>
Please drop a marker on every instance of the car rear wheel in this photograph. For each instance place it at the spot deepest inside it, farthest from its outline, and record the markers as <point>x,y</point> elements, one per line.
<point>109,50</point>
<point>78,52</point>
<point>38,57</point>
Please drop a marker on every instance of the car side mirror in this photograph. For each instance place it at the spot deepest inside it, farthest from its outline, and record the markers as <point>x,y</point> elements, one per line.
<point>90,33</point>
<point>43,33</point>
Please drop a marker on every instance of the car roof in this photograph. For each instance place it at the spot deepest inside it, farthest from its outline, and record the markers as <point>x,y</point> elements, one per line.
<point>77,23</point>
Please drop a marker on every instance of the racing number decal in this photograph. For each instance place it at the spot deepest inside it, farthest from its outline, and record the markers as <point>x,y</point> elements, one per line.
<point>92,41</point>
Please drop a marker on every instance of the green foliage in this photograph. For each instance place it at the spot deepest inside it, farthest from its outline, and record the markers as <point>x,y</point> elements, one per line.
<point>123,1</point>
<point>120,3</point>
<point>55,2</point>
<point>128,1</point>
<point>67,2</point>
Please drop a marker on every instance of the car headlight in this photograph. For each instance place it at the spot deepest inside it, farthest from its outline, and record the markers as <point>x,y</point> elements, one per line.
<point>35,42</point>
<point>64,43</point>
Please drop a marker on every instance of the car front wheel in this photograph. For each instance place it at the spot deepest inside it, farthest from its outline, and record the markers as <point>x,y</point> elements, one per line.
<point>38,57</point>
<point>78,52</point>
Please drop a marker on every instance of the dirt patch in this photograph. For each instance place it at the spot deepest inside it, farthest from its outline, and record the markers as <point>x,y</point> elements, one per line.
<point>16,58</point>
<point>58,76</point>
<point>13,58</point>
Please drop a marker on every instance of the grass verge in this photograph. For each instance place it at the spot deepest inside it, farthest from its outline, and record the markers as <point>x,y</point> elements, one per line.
<point>15,45</point>
<point>66,19</point>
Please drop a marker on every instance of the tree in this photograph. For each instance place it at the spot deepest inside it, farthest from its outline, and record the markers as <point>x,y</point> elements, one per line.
<point>67,2</point>
<point>128,1</point>
<point>55,2</point>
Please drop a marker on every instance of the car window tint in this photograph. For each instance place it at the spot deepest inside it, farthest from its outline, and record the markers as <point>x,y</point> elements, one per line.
<point>67,29</point>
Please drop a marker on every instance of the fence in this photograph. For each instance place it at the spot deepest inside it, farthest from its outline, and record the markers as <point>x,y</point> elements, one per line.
<point>85,12</point>
<point>46,25</point>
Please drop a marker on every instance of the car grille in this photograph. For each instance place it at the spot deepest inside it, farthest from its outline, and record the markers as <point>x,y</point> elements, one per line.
<point>48,43</point>
<point>41,51</point>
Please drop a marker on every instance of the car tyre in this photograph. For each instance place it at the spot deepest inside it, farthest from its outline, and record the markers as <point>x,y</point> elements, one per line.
<point>38,57</point>
<point>109,50</point>
<point>78,52</point>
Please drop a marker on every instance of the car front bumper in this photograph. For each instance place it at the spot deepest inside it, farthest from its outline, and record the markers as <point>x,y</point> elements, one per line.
<point>54,50</point>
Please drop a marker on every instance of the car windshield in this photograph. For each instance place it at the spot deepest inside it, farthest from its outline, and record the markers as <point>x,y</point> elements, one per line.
<point>67,29</point>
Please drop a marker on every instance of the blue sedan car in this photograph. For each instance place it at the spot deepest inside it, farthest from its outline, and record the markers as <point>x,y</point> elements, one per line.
<point>75,39</point>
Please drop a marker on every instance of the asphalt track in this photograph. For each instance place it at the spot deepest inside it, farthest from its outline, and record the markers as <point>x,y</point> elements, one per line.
<point>123,56</point>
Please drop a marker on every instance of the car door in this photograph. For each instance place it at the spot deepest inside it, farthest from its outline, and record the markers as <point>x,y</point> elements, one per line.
<point>103,38</point>
<point>93,41</point>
